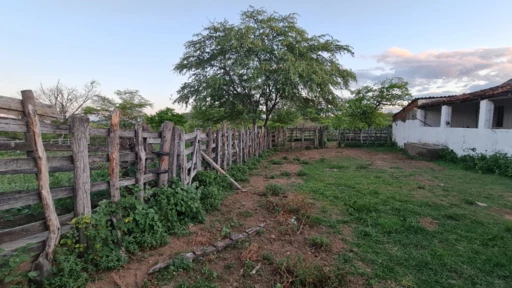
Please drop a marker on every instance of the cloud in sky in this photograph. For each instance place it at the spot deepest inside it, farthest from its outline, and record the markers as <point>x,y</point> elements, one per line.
<point>438,72</point>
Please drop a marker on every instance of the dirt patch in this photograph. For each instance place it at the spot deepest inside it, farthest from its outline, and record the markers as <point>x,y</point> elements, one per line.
<point>425,181</point>
<point>503,212</point>
<point>384,160</point>
<point>428,223</point>
<point>285,235</point>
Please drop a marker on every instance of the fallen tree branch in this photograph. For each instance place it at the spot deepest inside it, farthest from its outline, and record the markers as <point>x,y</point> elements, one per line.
<point>214,248</point>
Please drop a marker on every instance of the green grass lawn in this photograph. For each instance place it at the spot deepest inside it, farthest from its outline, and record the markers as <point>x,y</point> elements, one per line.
<point>468,245</point>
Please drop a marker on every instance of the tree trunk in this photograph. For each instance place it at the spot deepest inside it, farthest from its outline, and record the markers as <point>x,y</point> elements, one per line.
<point>43,264</point>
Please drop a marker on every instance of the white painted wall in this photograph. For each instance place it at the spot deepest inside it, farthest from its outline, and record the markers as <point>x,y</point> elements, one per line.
<point>460,140</point>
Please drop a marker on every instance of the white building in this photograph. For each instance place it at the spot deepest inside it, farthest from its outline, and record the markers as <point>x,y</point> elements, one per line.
<point>476,122</point>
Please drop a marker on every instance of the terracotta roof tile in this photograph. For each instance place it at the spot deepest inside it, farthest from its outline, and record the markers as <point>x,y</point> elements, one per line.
<point>504,89</point>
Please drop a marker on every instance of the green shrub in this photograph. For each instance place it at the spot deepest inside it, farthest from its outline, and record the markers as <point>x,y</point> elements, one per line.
<point>319,242</point>
<point>69,271</point>
<point>178,205</point>
<point>274,189</point>
<point>268,257</point>
<point>272,176</point>
<point>497,163</point>
<point>286,173</point>
<point>285,157</point>
<point>214,189</point>
<point>304,162</point>
<point>239,173</point>
<point>296,158</point>
<point>253,163</point>
<point>302,172</point>
<point>276,162</point>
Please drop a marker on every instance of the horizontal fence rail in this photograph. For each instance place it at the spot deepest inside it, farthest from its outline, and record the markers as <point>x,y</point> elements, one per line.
<point>118,151</point>
<point>361,136</point>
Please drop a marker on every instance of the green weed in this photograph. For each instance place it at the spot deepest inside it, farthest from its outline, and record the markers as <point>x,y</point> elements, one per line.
<point>274,189</point>
<point>285,173</point>
<point>319,242</point>
<point>302,173</point>
<point>276,162</point>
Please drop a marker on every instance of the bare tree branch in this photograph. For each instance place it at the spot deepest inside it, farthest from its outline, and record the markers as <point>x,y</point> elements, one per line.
<point>68,100</point>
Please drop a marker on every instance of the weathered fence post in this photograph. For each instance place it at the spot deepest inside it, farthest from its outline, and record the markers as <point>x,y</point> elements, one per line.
<point>43,264</point>
<point>165,152</point>
<point>182,158</point>
<point>173,152</point>
<point>316,138</point>
<point>113,149</point>
<point>218,148</point>
<point>246,144</point>
<point>236,142</point>
<point>230,147</point>
<point>209,142</point>
<point>224,146</point>
<point>302,136</point>
<point>79,128</point>
<point>141,159</point>
<point>199,158</point>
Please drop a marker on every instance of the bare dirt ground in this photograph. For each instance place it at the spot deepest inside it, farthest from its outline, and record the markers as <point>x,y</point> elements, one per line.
<point>243,210</point>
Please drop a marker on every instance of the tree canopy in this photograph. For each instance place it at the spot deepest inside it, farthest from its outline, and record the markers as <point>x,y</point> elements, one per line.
<point>167,114</point>
<point>264,62</point>
<point>365,108</point>
<point>130,102</point>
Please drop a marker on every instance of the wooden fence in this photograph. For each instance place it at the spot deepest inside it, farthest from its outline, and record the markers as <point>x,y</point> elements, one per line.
<point>178,155</point>
<point>360,136</point>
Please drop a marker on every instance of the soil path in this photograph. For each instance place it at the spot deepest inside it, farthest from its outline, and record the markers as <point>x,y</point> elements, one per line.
<point>247,209</point>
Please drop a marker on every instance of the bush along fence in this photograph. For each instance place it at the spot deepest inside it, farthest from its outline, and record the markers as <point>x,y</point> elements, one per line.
<point>357,137</point>
<point>178,159</point>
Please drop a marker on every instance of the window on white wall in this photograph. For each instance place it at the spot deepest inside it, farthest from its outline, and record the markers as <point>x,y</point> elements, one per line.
<point>500,114</point>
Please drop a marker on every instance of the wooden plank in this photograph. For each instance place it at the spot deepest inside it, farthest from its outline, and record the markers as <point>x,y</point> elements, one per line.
<point>192,164</point>
<point>182,158</point>
<point>141,159</point>
<point>173,153</point>
<point>113,144</point>
<point>58,163</point>
<point>238,147</point>
<point>199,158</point>
<point>82,178</point>
<point>224,146</point>
<point>24,146</point>
<point>189,150</point>
<point>190,136</point>
<point>44,262</point>
<point>13,234</point>
<point>230,148</point>
<point>216,167</point>
<point>15,105</point>
<point>209,142</point>
<point>15,199</point>
<point>38,241</point>
<point>218,149</point>
<point>165,148</point>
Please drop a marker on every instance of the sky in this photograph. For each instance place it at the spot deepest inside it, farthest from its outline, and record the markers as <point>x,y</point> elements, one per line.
<point>440,47</point>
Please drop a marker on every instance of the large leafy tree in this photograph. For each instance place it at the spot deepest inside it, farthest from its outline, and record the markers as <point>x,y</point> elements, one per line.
<point>264,62</point>
<point>365,108</point>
